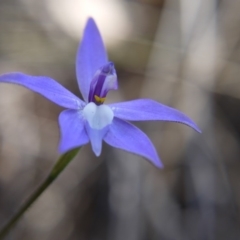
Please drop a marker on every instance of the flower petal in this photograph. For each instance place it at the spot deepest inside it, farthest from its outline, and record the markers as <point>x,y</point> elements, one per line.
<point>73,133</point>
<point>124,135</point>
<point>91,56</point>
<point>96,137</point>
<point>45,86</point>
<point>147,109</point>
<point>97,121</point>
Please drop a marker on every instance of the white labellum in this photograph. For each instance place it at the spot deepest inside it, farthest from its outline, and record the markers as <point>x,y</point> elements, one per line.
<point>98,117</point>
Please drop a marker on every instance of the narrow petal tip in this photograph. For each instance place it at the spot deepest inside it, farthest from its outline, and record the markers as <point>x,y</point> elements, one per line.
<point>90,21</point>
<point>147,109</point>
<point>126,136</point>
<point>192,124</point>
<point>197,129</point>
<point>45,86</point>
<point>158,164</point>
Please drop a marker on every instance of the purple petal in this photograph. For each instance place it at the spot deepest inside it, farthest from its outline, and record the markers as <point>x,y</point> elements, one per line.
<point>73,133</point>
<point>124,135</point>
<point>45,86</point>
<point>96,137</point>
<point>91,56</point>
<point>147,109</point>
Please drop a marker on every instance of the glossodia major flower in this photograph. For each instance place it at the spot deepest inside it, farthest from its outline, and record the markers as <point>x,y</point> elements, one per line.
<point>91,119</point>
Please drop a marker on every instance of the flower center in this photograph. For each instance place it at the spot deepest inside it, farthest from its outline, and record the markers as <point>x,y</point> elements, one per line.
<point>104,80</point>
<point>98,117</point>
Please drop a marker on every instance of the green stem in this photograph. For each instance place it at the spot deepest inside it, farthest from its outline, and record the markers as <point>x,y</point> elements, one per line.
<point>62,162</point>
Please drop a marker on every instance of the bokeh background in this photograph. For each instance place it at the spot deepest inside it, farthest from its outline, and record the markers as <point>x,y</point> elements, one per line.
<point>183,53</point>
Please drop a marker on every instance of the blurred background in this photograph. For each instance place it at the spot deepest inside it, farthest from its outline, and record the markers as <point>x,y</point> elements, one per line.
<point>182,53</point>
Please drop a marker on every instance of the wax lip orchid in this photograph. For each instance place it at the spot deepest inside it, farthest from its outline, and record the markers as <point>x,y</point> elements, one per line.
<point>91,119</point>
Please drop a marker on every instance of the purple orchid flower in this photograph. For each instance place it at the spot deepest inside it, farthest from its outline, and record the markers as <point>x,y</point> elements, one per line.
<point>91,119</point>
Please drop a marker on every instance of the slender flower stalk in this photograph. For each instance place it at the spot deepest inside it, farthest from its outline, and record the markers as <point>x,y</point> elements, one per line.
<point>62,162</point>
